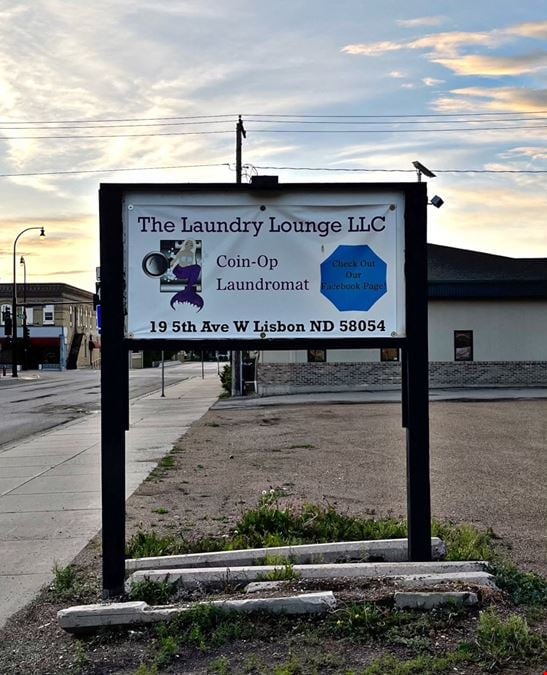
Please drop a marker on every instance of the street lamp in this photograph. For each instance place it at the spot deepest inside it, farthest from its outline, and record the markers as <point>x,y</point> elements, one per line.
<point>14,300</point>
<point>25,346</point>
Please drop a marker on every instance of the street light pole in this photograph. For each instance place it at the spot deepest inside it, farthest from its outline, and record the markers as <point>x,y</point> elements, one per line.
<point>14,300</point>
<point>24,359</point>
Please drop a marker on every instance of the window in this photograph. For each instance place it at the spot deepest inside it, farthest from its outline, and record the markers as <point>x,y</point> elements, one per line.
<point>463,345</point>
<point>30,315</point>
<point>3,310</point>
<point>49,315</point>
<point>317,355</point>
<point>389,354</point>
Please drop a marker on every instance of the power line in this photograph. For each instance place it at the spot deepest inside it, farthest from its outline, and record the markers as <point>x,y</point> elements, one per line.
<point>356,170</point>
<point>125,119</point>
<point>391,131</point>
<point>466,114</point>
<point>274,131</point>
<point>137,168</point>
<point>276,168</point>
<point>83,137</point>
<point>4,126</point>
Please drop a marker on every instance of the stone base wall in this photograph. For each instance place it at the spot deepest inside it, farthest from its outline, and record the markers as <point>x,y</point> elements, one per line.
<point>284,378</point>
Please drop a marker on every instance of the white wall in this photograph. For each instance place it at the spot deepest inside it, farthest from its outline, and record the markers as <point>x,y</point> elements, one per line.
<point>503,330</point>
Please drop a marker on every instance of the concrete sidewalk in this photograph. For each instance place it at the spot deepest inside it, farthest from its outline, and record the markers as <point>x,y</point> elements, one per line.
<point>50,501</point>
<point>384,396</point>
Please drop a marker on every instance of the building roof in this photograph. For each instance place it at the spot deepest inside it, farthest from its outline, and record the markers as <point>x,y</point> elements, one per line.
<point>459,273</point>
<point>47,291</point>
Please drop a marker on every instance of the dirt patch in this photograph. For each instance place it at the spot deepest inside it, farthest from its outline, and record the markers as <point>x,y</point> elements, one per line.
<point>486,460</point>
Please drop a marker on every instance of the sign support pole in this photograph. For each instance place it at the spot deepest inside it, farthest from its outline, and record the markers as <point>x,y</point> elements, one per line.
<point>114,394</point>
<point>416,378</point>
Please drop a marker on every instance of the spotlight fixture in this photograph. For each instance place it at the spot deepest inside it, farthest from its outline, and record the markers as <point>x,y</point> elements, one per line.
<point>436,201</point>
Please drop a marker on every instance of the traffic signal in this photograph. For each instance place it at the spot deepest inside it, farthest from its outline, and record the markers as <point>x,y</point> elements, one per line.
<point>8,324</point>
<point>26,333</point>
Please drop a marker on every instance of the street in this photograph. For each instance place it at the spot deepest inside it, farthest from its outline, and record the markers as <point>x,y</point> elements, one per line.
<point>37,401</point>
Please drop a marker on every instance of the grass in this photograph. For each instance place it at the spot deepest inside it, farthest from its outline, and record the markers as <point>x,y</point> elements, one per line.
<point>161,510</point>
<point>502,641</point>
<point>424,664</point>
<point>525,588</point>
<point>164,465</point>
<point>284,573</point>
<point>67,584</point>
<point>152,592</point>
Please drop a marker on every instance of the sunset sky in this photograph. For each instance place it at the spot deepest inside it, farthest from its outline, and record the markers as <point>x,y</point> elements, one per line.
<point>85,89</point>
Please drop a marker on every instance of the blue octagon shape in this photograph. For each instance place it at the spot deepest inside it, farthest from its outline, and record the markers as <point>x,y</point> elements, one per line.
<point>353,278</point>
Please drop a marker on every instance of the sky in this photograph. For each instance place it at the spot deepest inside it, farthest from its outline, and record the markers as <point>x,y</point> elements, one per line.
<point>85,90</point>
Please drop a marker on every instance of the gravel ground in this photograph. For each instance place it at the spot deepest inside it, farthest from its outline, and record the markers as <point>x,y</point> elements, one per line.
<point>487,467</point>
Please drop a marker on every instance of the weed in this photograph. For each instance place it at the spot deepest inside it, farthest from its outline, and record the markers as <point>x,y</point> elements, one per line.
<point>420,665</point>
<point>67,585</point>
<point>149,544</point>
<point>501,641</point>
<point>160,510</point>
<point>206,627</point>
<point>226,379</point>
<point>526,588</point>
<point>293,667</point>
<point>152,592</point>
<point>464,542</point>
<point>303,446</point>
<point>144,669</point>
<point>221,666</point>
<point>168,647</point>
<point>359,620</point>
<point>81,657</point>
<point>163,466</point>
<point>212,424</point>
<point>283,573</point>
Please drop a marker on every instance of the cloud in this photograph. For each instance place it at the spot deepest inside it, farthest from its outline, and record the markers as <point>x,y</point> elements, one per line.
<point>494,66</point>
<point>446,49</point>
<point>432,81</point>
<point>396,74</point>
<point>421,21</point>
<point>493,99</point>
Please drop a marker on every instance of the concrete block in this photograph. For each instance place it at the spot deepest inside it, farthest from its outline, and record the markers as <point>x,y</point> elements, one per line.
<point>86,617</point>
<point>421,600</point>
<point>388,550</point>
<point>219,576</point>
<point>259,586</point>
<point>412,581</point>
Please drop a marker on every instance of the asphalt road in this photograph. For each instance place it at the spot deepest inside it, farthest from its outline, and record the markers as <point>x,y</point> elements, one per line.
<point>37,401</point>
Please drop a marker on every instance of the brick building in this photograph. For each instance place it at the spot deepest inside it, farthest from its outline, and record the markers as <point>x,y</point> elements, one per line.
<point>487,326</point>
<point>61,324</point>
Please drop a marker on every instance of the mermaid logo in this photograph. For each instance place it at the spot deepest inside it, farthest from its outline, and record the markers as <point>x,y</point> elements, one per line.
<point>177,265</point>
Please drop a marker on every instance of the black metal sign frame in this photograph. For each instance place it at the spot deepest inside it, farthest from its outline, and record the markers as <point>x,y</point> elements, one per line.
<point>115,347</point>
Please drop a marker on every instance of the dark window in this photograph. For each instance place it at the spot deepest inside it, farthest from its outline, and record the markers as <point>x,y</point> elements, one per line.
<point>389,354</point>
<point>317,355</point>
<point>463,345</point>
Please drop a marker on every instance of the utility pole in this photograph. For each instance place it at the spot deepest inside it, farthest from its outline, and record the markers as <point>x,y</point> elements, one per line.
<point>237,361</point>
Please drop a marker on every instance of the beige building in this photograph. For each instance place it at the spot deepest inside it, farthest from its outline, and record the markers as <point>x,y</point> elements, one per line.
<point>61,325</point>
<point>487,326</point>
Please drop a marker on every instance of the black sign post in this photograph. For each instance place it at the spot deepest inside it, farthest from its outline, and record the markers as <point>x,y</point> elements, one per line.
<point>115,347</point>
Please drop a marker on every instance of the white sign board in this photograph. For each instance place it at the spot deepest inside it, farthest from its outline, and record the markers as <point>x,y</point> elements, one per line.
<point>251,266</point>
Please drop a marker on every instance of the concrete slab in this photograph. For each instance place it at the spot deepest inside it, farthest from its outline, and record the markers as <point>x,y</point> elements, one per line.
<point>413,581</point>
<point>214,576</point>
<point>430,601</point>
<point>54,525</point>
<point>9,484</point>
<point>393,550</point>
<point>84,617</point>
<point>49,483</point>
<point>43,503</point>
<point>17,590</point>
<point>23,471</point>
<point>35,556</point>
